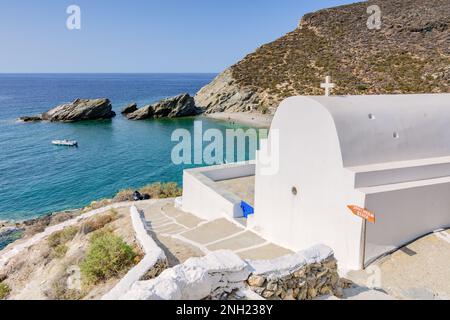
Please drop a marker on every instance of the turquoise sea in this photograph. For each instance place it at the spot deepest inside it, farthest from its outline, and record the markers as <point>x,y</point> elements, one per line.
<point>37,178</point>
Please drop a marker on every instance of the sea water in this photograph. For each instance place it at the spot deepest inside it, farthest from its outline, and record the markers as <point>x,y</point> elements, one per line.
<point>37,178</point>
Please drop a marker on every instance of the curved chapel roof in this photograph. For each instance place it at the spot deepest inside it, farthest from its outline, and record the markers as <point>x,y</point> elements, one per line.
<point>375,129</point>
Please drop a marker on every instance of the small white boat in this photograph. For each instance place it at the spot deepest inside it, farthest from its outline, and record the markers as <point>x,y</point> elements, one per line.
<point>67,143</point>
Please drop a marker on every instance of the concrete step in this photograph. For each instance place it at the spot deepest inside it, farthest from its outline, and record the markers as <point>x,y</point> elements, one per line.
<point>186,219</point>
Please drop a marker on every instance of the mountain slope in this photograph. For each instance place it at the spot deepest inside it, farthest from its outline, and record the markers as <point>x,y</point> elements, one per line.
<point>409,54</point>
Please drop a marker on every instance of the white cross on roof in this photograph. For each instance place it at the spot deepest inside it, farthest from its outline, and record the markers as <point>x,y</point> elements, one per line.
<point>327,85</point>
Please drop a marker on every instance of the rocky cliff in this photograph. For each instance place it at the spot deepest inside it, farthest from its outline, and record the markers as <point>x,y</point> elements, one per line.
<point>410,53</point>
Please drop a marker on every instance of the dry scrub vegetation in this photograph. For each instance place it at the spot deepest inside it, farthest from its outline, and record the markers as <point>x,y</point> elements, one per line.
<point>409,54</point>
<point>155,191</point>
<point>80,262</point>
<point>4,290</point>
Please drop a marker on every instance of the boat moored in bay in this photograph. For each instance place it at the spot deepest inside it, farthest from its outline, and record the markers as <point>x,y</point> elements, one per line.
<point>67,143</point>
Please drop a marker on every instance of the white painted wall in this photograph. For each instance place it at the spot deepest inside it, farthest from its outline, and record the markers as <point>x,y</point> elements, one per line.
<point>196,279</point>
<point>405,213</point>
<point>204,198</point>
<point>311,161</point>
<point>334,150</point>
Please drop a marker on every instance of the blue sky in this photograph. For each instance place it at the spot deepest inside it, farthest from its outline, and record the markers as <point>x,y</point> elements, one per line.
<point>142,35</point>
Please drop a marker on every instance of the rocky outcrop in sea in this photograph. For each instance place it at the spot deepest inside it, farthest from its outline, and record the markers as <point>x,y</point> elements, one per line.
<point>182,105</point>
<point>132,107</point>
<point>78,110</point>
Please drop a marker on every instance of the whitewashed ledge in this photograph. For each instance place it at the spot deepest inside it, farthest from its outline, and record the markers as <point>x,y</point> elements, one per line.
<point>153,255</point>
<point>286,265</point>
<point>17,249</point>
<point>198,278</point>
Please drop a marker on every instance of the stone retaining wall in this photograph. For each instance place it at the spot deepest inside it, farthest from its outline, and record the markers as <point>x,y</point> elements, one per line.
<point>304,275</point>
<point>301,276</point>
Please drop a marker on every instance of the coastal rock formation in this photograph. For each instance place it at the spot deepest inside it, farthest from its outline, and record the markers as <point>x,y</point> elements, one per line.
<point>225,94</point>
<point>129,108</point>
<point>30,118</point>
<point>79,109</point>
<point>305,282</point>
<point>143,113</point>
<point>180,106</point>
<point>409,54</point>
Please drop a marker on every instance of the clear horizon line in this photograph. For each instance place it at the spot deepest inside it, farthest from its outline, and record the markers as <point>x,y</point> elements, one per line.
<point>110,72</point>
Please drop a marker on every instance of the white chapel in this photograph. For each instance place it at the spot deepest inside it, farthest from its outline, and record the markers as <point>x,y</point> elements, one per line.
<point>364,175</point>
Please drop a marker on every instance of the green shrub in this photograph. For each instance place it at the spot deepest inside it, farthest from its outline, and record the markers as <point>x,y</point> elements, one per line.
<point>60,251</point>
<point>62,237</point>
<point>107,256</point>
<point>362,87</point>
<point>99,222</point>
<point>4,290</point>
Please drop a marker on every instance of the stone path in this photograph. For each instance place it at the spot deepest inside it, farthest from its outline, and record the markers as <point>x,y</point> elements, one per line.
<point>360,293</point>
<point>418,271</point>
<point>183,235</point>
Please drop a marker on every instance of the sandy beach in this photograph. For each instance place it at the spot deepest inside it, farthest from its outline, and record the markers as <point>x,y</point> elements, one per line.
<point>257,120</point>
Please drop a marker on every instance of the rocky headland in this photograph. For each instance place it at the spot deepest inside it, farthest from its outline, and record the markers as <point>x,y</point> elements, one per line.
<point>409,54</point>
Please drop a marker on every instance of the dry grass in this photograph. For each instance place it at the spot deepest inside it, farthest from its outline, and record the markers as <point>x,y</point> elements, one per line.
<point>162,190</point>
<point>59,291</point>
<point>124,195</point>
<point>58,240</point>
<point>99,222</point>
<point>98,204</point>
<point>155,191</point>
<point>60,251</point>
<point>62,237</point>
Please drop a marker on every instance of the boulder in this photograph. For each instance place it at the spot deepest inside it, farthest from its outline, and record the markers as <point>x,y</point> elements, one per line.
<point>81,109</point>
<point>130,108</point>
<point>179,106</point>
